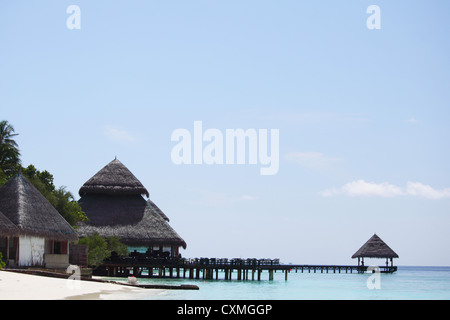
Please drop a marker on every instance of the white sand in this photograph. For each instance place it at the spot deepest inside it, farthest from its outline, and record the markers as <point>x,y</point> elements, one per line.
<point>18,286</point>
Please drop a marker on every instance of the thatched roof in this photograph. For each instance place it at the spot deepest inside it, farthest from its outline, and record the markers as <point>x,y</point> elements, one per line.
<point>113,179</point>
<point>375,248</point>
<point>7,228</point>
<point>128,217</point>
<point>112,200</point>
<point>33,215</point>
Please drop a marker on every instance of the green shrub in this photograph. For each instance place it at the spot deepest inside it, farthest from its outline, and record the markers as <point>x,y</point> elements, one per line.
<point>2,264</point>
<point>100,248</point>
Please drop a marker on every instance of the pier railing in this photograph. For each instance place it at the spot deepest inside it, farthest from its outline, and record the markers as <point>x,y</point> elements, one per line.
<point>197,268</point>
<point>180,262</point>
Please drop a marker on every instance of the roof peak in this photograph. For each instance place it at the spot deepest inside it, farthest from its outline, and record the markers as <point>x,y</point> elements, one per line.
<point>375,248</point>
<point>114,179</point>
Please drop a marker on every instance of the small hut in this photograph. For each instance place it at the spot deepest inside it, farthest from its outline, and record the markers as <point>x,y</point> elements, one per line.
<point>43,234</point>
<point>375,248</point>
<point>113,202</point>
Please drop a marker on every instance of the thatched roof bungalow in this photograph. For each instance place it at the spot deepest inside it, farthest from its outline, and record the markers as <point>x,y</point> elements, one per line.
<point>113,202</point>
<point>375,248</point>
<point>43,234</point>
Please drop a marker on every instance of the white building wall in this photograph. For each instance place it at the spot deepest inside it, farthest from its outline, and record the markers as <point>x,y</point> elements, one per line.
<point>31,251</point>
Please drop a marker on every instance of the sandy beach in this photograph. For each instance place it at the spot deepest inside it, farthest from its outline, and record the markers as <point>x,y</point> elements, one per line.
<point>17,286</point>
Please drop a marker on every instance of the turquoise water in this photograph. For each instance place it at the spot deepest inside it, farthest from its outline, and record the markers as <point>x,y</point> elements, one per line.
<point>407,283</point>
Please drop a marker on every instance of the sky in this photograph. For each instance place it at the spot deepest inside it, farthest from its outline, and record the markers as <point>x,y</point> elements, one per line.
<point>362,115</point>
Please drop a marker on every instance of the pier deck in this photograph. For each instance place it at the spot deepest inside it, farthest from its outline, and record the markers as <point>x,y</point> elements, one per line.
<point>205,268</point>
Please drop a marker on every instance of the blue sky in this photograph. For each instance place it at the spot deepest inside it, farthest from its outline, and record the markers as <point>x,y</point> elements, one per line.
<point>362,114</point>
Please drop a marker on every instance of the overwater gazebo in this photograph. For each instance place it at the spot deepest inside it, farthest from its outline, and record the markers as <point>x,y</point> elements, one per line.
<point>375,248</point>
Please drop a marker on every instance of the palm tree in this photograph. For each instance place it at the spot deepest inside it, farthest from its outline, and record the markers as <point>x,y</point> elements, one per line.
<point>9,151</point>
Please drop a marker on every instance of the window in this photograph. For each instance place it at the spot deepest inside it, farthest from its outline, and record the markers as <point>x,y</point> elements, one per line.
<point>56,247</point>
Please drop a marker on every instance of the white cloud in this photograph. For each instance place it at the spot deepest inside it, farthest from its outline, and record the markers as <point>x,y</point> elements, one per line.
<point>422,190</point>
<point>118,135</point>
<point>412,120</point>
<point>363,188</point>
<point>313,160</point>
<point>387,190</point>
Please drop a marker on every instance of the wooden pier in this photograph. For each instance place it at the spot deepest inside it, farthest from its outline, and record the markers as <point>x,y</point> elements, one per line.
<point>206,268</point>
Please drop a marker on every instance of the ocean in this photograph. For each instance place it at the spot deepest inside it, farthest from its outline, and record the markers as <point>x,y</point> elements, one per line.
<point>408,283</point>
